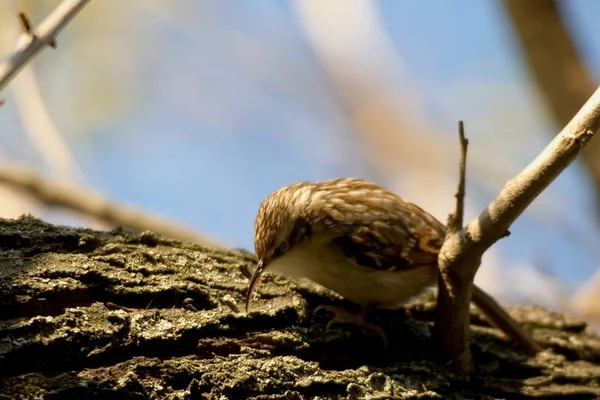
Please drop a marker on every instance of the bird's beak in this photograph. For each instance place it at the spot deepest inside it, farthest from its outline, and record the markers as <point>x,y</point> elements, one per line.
<point>259,269</point>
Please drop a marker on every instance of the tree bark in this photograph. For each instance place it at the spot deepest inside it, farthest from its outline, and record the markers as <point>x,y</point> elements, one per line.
<point>86,314</point>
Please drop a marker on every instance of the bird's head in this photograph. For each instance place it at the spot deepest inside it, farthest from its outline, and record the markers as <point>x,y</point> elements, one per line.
<point>283,221</point>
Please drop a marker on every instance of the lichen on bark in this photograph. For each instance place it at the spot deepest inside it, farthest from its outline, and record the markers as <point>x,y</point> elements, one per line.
<point>86,314</point>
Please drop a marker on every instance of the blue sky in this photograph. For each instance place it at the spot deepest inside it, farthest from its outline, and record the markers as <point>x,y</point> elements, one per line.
<point>213,176</point>
<point>208,132</point>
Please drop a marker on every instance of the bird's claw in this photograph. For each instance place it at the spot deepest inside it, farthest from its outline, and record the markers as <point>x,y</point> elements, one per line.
<point>343,316</point>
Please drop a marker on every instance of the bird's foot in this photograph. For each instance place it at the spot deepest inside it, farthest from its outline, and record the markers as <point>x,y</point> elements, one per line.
<point>343,316</point>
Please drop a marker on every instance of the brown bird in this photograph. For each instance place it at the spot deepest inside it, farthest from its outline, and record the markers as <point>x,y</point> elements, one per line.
<point>361,241</point>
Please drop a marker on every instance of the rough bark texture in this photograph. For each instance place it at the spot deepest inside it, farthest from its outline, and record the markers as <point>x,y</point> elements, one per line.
<point>87,314</point>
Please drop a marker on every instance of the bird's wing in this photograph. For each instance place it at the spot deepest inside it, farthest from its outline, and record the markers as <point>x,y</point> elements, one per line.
<point>397,240</point>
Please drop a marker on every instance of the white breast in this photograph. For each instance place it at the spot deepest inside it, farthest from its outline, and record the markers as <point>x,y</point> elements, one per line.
<point>358,284</point>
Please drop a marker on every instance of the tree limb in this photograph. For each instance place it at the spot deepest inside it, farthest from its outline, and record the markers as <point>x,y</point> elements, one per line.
<point>32,41</point>
<point>461,253</point>
<point>94,315</point>
<point>557,68</point>
<point>91,204</point>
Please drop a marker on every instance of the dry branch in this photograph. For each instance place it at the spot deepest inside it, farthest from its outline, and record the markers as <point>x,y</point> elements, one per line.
<point>91,204</point>
<point>461,253</point>
<point>556,66</point>
<point>32,41</point>
<point>455,222</point>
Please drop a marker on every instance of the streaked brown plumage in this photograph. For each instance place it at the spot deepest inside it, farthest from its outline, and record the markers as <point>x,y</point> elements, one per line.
<point>355,238</point>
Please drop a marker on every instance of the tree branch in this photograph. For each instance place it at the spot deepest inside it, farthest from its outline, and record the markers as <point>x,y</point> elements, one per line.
<point>461,253</point>
<point>32,41</point>
<point>556,66</point>
<point>455,222</point>
<point>94,205</point>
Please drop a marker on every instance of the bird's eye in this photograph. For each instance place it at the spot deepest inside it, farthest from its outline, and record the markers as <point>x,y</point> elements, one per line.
<point>282,247</point>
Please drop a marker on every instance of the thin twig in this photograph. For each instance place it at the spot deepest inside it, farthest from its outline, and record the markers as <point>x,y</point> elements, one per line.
<point>26,23</point>
<point>461,253</point>
<point>32,41</point>
<point>94,205</point>
<point>41,130</point>
<point>489,306</point>
<point>455,221</point>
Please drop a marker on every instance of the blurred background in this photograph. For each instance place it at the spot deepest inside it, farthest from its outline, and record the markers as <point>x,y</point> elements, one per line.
<point>182,116</point>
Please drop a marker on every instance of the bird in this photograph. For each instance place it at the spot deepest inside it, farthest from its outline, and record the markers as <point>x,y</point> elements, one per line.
<point>361,241</point>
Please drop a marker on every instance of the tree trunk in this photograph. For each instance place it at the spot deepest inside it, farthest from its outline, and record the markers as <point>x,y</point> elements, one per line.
<point>86,314</point>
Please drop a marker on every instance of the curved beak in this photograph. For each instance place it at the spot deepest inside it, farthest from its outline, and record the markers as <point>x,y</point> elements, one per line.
<point>257,272</point>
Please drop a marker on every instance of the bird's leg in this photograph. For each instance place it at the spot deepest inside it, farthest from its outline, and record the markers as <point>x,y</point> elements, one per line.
<point>343,316</point>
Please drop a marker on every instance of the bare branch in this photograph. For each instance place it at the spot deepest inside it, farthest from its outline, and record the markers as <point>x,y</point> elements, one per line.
<point>26,23</point>
<point>455,221</point>
<point>31,42</point>
<point>94,205</point>
<point>461,253</point>
<point>556,66</point>
<point>41,130</point>
<point>489,306</point>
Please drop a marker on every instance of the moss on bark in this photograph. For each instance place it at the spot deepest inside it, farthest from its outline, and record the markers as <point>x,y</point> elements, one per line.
<point>86,314</point>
